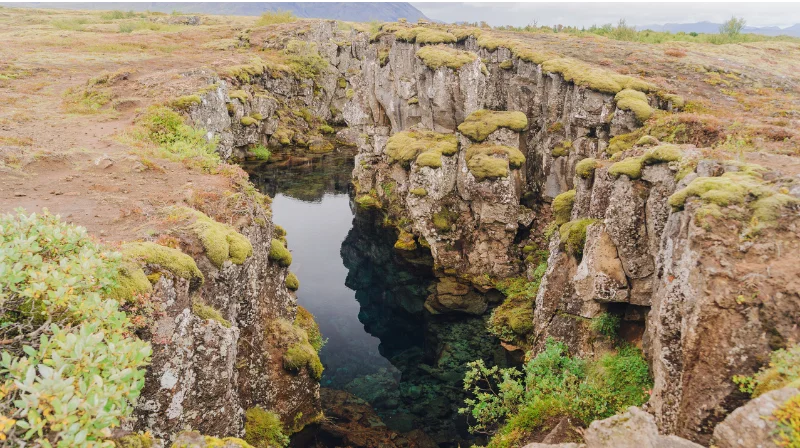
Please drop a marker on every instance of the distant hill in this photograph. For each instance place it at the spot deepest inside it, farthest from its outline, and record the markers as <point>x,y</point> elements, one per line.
<point>711,28</point>
<point>356,12</point>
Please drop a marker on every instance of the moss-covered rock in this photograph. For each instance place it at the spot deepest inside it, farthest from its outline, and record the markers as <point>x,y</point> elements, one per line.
<point>425,35</point>
<point>419,192</point>
<point>173,260</point>
<point>662,154</point>
<point>240,95</point>
<point>263,429</point>
<point>562,149</point>
<point>204,311</point>
<point>444,219</point>
<point>594,78</point>
<point>248,121</point>
<point>279,253</point>
<point>481,123</point>
<point>487,161</point>
<point>221,242</point>
<point>647,140</point>
<point>573,235</point>
<point>636,101</point>
<point>562,206</point>
<point>585,168</point>
<point>410,145</point>
<point>368,201</point>
<point>438,56</point>
<point>292,282</point>
<point>508,64</point>
<point>185,102</point>
<point>302,355</point>
<point>405,241</point>
<point>134,441</point>
<point>631,167</point>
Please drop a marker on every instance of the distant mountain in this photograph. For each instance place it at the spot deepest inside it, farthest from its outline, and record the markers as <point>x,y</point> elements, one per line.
<point>711,28</point>
<point>356,12</point>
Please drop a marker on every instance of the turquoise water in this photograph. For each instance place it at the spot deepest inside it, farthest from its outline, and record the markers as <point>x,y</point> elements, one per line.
<point>383,346</point>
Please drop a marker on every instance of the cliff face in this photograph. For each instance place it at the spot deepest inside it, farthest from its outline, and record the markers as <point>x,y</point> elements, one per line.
<point>704,296</point>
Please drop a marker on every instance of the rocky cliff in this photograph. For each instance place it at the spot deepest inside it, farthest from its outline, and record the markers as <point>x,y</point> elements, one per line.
<point>465,145</point>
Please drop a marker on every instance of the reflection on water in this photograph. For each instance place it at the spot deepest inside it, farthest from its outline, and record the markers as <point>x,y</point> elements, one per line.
<point>383,346</point>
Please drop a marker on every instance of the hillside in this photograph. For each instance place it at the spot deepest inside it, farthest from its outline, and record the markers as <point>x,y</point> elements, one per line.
<point>557,239</point>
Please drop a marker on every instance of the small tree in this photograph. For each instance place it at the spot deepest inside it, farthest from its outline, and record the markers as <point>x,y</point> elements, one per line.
<point>733,27</point>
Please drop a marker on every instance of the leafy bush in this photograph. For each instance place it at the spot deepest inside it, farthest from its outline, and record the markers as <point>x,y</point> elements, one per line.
<point>164,127</point>
<point>556,383</point>
<point>606,325</point>
<point>71,371</point>
<point>263,429</point>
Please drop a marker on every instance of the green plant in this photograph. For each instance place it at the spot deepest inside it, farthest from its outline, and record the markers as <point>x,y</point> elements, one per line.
<point>207,312</point>
<point>165,128</point>
<point>276,17</point>
<point>732,27</point>
<point>585,168</point>
<point>512,321</point>
<point>263,429</point>
<point>280,254</point>
<point>783,370</point>
<point>261,152</point>
<point>406,146</point>
<point>488,161</point>
<point>438,56</point>
<point>292,283</point>
<point>562,207</point>
<point>305,320</point>
<point>573,235</point>
<point>71,370</point>
<point>444,219</point>
<point>606,324</point>
<point>554,381</point>
<point>787,418</point>
<point>479,124</point>
<point>305,60</point>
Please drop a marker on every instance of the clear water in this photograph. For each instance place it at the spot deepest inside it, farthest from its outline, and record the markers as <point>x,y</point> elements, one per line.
<point>368,300</point>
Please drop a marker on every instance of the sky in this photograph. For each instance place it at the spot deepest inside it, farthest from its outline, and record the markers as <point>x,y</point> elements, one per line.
<point>587,14</point>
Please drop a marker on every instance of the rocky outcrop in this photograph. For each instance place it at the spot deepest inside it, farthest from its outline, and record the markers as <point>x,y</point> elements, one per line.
<point>752,425</point>
<point>207,369</point>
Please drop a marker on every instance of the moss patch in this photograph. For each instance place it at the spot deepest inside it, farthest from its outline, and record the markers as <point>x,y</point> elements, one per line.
<point>221,242</point>
<point>279,253</point>
<point>302,355</point>
<point>240,95</point>
<point>594,78</point>
<point>562,206</point>
<point>419,192</point>
<point>487,161</point>
<point>368,201</point>
<point>631,167</point>
<point>573,235</point>
<point>481,123</point>
<point>562,149</point>
<point>636,101</point>
<point>405,241</point>
<point>444,219</point>
<point>248,121</point>
<point>439,56</point>
<point>423,35</point>
<point>647,140</point>
<point>292,282</point>
<point>206,312</point>
<point>662,154</point>
<point>173,260</point>
<point>409,145</point>
<point>185,102</point>
<point>263,429</point>
<point>585,168</point>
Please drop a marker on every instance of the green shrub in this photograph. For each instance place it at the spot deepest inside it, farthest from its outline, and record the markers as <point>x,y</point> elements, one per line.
<point>164,127</point>
<point>263,429</point>
<point>261,152</point>
<point>562,149</point>
<point>782,371</point>
<point>280,254</point>
<point>479,124</point>
<point>206,312</point>
<point>562,207</point>
<point>554,381</point>
<point>292,282</point>
<point>606,325</point>
<point>72,370</point>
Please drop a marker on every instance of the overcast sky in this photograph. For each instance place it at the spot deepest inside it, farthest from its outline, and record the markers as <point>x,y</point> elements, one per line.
<point>587,14</point>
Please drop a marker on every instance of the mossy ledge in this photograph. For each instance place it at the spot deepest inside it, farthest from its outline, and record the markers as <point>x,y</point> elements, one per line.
<point>486,161</point>
<point>585,168</point>
<point>132,279</point>
<point>636,101</point>
<point>207,312</point>
<point>438,56</point>
<point>481,123</point>
<point>573,235</point>
<point>423,146</point>
<point>279,253</point>
<point>221,242</point>
<point>562,206</point>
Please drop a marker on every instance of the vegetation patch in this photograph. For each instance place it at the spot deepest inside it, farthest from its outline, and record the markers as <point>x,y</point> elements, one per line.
<point>406,146</point>
<point>405,241</point>
<point>481,123</point>
<point>173,260</point>
<point>631,167</point>
<point>512,321</point>
<point>221,242</point>
<point>185,102</point>
<point>276,17</point>
<point>59,321</point>
<point>279,253</point>
<point>573,235</point>
<point>636,101</point>
<point>263,429</point>
<point>595,78</point>
<point>261,152</point>
<point>487,161</point>
<point>782,371</point>
<point>206,312</point>
<point>419,192</point>
<point>438,56</point>
<point>562,149</point>
<point>606,325</point>
<point>248,121</point>
<point>305,321</point>
<point>292,282</point>
<point>444,219</point>
<point>514,404</point>
<point>424,35</point>
<point>368,201</point>
<point>585,168</point>
<point>562,206</point>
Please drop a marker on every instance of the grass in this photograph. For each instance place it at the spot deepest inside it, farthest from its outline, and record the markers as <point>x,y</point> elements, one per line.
<point>438,56</point>
<point>481,123</point>
<point>86,100</point>
<point>206,312</point>
<point>260,152</point>
<point>276,17</point>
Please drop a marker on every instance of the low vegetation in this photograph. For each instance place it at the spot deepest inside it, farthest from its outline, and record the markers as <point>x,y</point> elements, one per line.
<point>585,168</point>
<point>481,123</point>
<point>487,161</point>
<point>562,207</point>
<point>280,254</point>
<point>438,56</point>
<point>276,17</point>
<point>71,370</point>
<point>512,320</point>
<point>411,145</point>
<point>573,235</point>
<point>263,429</point>
<point>635,101</point>
<point>207,312</point>
<point>514,404</point>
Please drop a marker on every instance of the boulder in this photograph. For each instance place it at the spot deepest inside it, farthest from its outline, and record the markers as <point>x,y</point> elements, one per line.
<point>750,426</point>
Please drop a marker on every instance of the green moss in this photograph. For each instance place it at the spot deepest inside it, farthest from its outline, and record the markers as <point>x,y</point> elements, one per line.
<point>130,282</point>
<point>439,56</point>
<point>562,149</point>
<point>325,129</point>
<point>594,78</point>
<point>518,48</point>
<point>292,283</point>
<point>240,95</point>
<point>383,56</point>
<point>204,311</point>
<point>304,320</point>
<point>585,168</point>
<point>662,154</point>
<point>487,161</point>
<point>349,93</point>
<point>444,219</point>
<point>631,167</point>
<point>408,145</point>
<point>463,34</point>
<point>429,159</point>
<point>423,35</point>
<point>633,100</point>
<point>512,321</point>
<point>185,102</point>
<point>562,206</point>
<point>342,83</point>
<point>677,101</point>
<point>173,260</point>
<point>647,140</point>
<point>263,429</point>
<point>573,235</point>
<point>220,241</point>
<point>405,241</point>
<point>413,100</point>
<point>508,64</point>
<point>419,192</point>
<point>248,121</point>
<point>481,123</point>
<point>621,143</point>
<point>302,355</point>
<point>134,441</point>
<point>279,253</point>
<point>368,201</point>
